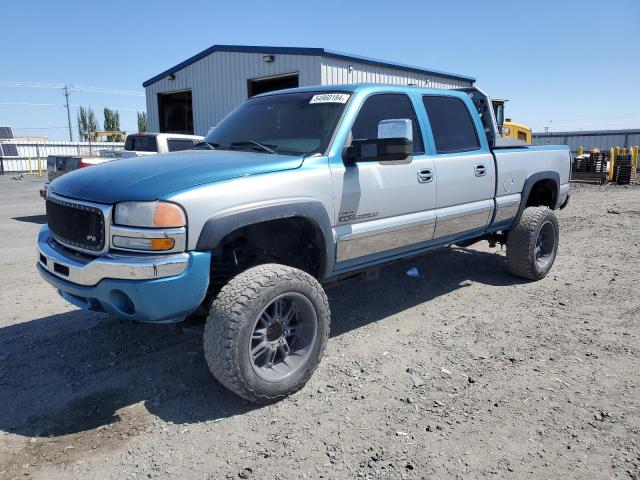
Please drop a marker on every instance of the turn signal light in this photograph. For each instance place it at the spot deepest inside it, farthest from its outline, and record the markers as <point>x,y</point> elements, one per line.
<point>162,243</point>
<point>150,244</point>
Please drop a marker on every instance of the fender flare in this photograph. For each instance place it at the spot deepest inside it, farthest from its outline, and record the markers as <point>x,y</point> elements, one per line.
<point>221,225</point>
<point>529,182</point>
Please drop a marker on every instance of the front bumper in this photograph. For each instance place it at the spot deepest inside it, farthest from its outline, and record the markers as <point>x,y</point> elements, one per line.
<point>148,288</point>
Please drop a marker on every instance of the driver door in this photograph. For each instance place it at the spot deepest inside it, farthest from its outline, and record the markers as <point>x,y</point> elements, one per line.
<point>383,207</point>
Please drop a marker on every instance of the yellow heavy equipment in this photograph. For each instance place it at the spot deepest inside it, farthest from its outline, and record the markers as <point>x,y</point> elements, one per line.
<point>508,128</point>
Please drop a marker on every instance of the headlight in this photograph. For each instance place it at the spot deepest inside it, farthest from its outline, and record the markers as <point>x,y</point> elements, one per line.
<point>149,214</point>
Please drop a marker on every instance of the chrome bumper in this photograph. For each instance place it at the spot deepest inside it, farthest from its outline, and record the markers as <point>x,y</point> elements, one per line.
<point>85,270</point>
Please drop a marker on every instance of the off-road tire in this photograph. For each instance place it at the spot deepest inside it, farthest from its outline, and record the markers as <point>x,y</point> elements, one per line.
<point>229,325</point>
<point>521,243</point>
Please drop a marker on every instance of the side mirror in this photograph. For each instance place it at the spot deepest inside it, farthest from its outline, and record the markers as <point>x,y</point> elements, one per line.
<point>394,142</point>
<point>378,150</point>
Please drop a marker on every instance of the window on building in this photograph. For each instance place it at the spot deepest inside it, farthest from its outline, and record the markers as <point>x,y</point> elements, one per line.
<point>451,124</point>
<point>385,106</point>
<point>175,111</point>
<point>270,84</point>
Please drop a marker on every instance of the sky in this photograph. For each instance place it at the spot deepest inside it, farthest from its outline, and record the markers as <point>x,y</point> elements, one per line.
<point>562,64</point>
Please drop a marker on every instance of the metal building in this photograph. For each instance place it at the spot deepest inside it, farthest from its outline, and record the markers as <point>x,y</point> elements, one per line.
<point>196,94</point>
<point>602,139</point>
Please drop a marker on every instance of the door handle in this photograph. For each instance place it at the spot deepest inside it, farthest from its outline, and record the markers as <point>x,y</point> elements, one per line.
<point>425,176</point>
<point>480,170</point>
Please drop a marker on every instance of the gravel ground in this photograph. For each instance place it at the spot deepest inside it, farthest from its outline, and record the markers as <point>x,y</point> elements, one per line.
<point>465,372</point>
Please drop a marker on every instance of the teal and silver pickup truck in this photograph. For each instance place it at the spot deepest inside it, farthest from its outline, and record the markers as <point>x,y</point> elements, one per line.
<point>293,190</point>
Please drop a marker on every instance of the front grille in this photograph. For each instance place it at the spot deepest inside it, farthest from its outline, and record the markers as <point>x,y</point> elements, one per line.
<point>76,225</point>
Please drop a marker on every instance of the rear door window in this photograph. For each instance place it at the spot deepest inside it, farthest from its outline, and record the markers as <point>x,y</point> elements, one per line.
<point>177,144</point>
<point>451,124</point>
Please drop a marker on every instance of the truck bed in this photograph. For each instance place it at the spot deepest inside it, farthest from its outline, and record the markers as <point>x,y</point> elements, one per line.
<point>514,165</point>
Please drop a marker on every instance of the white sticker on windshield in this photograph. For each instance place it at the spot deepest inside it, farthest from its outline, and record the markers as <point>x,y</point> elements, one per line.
<point>330,98</point>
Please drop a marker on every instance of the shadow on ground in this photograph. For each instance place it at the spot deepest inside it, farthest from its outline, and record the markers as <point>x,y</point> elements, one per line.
<point>73,372</point>
<point>39,219</point>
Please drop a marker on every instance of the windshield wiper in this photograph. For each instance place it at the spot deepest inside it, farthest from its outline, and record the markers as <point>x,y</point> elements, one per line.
<point>251,143</point>
<point>208,145</point>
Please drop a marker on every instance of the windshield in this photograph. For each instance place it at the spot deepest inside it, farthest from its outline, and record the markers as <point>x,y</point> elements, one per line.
<point>289,124</point>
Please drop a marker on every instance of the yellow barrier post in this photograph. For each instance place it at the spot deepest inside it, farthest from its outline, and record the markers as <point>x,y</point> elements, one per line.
<point>39,167</point>
<point>634,161</point>
<point>580,150</point>
<point>612,162</point>
<point>30,171</point>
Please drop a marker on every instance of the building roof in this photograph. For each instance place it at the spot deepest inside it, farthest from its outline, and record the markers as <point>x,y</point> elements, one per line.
<point>588,133</point>
<point>304,51</point>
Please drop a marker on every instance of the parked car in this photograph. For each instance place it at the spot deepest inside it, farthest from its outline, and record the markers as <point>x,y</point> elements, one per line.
<point>135,145</point>
<point>293,190</point>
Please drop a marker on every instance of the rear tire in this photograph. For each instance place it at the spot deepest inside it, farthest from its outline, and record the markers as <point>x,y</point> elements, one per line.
<point>532,244</point>
<point>266,332</point>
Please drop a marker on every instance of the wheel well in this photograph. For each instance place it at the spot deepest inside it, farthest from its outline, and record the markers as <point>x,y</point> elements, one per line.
<point>543,193</point>
<point>297,242</point>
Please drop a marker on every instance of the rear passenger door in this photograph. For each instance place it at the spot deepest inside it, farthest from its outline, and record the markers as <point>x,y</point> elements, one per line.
<point>386,205</point>
<point>464,167</point>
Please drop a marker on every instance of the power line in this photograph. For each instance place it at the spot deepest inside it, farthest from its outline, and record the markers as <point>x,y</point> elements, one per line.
<point>108,91</point>
<point>75,105</point>
<point>15,83</point>
<point>78,88</point>
<point>39,128</point>
<point>31,104</point>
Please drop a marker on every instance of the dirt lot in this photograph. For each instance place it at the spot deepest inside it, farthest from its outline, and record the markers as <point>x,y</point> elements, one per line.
<point>465,372</point>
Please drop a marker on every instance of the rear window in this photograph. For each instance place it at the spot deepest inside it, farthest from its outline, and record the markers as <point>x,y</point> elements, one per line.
<point>177,144</point>
<point>141,143</point>
<point>451,123</point>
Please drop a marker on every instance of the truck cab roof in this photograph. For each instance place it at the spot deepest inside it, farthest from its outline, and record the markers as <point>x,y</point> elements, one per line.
<point>162,135</point>
<point>367,88</point>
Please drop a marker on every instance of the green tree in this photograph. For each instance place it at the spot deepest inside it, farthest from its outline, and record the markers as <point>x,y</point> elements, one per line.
<point>142,122</point>
<point>87,124</point>
<point>112,123</point>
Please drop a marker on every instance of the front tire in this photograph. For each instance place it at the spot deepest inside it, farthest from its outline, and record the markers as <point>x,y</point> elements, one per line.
<point>532,244</point>
<point>266,332</point>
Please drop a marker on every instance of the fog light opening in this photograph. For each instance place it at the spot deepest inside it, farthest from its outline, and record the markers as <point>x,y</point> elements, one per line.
<point>121,302</point>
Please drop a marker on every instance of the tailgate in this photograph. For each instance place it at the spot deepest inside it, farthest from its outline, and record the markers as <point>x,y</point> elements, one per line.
<point>60,164</point>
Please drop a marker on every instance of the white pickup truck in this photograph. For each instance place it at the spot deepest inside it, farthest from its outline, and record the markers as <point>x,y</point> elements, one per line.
<point>135,145</point>
<point>293,190</point>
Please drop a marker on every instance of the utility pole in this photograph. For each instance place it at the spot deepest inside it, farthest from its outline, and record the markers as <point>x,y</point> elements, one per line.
<point>66,96</point>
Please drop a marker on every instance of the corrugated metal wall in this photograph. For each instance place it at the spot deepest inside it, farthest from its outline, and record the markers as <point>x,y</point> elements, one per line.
<point>604,139</point>
<point>219,83</point>
<point>336,71</point>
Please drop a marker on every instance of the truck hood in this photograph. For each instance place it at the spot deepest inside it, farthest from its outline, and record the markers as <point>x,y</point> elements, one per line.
<point>152,177</point>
